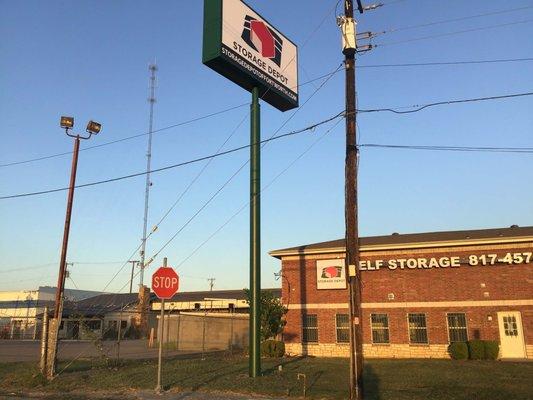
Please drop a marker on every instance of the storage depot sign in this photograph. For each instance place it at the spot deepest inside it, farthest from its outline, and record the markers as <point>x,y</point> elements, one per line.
<point>330,274</point>
<point>242,46</point>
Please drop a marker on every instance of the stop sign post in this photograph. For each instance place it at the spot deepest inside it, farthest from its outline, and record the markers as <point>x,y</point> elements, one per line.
<point>165,283</point>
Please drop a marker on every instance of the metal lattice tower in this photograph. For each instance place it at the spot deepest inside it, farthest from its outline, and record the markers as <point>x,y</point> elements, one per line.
<point>151,100</point>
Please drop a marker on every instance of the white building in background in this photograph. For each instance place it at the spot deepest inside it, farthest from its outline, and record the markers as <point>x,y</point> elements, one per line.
<point>18,309</point>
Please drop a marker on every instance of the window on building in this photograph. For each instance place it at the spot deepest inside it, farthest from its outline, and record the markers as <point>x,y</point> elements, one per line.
<point>310,328</point>
<point>417,328</point>
<point>457,327</point>
<point>197,306</point>
<point>380,328</point>
<point>342,326</point>
<point>123,324</point>
<point>92,325</point>
<point>509,325</point>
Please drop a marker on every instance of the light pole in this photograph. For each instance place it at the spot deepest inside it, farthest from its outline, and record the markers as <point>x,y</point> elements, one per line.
<point>93,128</point>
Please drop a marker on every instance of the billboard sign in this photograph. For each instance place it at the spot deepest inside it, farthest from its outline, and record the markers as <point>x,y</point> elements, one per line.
<point>330,274</point>
<point>242,46</point>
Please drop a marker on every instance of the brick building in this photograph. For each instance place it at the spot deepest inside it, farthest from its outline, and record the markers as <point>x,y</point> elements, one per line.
<point>419,293</point>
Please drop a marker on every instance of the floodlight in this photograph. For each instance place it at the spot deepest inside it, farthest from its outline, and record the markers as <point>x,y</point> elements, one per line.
<point>94,127</point>
<point>67,122</point>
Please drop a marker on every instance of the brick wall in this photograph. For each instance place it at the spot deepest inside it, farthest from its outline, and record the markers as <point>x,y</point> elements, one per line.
<point>484,291</point>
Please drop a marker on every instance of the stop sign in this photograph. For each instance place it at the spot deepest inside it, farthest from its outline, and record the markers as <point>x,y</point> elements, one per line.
<point>165,282</point>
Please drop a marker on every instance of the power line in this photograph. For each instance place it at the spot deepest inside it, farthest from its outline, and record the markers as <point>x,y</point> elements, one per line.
<point>213,234</point>
<point>446,21</point>
<point>440,103</point>
<point>263,143</point>
<point>186,122</point>
<point>524,150</point>
<point>273,138</point>
<point>424,64</point>
<point>453,33</point>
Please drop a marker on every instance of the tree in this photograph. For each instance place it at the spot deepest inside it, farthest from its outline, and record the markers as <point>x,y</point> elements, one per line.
<point>272,312</point>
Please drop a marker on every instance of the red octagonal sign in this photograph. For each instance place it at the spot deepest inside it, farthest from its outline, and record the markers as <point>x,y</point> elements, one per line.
<point>165,282</point>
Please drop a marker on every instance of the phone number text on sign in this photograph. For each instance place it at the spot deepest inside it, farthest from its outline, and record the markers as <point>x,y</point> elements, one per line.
<point>491,259</point>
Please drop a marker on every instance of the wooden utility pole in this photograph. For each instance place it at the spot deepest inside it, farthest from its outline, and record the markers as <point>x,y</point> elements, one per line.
<point>352,236</point>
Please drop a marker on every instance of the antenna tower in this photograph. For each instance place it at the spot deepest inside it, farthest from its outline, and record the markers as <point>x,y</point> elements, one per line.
<point>151,100</point>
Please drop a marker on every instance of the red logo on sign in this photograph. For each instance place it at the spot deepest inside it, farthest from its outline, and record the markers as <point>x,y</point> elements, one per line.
<point>262,39</point>
<point>331,272</point>
<point>165,282</point>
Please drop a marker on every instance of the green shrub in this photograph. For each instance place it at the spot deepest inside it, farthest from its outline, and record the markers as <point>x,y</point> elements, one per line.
<point>272,348</point>
<point>476,349</point>
<point>458,350</point>
<point>492,348</point>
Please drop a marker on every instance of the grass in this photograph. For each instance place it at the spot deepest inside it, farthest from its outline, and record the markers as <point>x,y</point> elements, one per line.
<point>326,378</point>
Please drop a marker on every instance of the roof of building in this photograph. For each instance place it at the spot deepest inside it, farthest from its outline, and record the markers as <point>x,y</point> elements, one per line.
<point>101,304</point>
<point>512,234</point>
<point>217,294</point>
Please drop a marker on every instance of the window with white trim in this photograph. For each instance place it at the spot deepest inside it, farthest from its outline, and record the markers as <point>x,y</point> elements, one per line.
<point>418,333</point>
<point>380,328</point>
<point>457,327</point>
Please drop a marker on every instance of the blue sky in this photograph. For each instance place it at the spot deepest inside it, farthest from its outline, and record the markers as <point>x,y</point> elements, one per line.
<point>89,59</point>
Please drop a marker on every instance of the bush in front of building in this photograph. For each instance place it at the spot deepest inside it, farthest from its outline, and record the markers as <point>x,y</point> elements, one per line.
<point>476,349</point>
<point>492,348</point>
<point>272,348</point>
<point>458,350</point>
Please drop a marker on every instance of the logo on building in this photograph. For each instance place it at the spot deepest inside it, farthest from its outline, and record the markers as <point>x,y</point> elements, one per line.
<point>331,272</point>
<point>262,39</point>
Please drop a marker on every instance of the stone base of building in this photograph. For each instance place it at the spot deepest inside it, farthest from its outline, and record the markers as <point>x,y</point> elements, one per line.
<point>369,350</point>
<point>529,351</point>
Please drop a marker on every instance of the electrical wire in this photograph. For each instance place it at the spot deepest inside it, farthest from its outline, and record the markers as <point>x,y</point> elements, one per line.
<point>169,166</point>
<point>523,150</point>
<point>440,103</point>
<point>262,190</point>
<point>443,63</point>
<point>272,138</point>
<point>327,76</point>
<point>424,64</point>
<point>446,21</point>
<point>263,143</point>
<point>453,33</point>
<point>186,122</point>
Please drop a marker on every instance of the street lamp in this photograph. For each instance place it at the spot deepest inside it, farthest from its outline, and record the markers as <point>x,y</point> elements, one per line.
<point>93,128</point>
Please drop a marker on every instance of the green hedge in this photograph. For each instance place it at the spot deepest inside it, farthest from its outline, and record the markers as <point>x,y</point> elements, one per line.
<point>272,348</point>
<point>458,350</point>
<point>492,348</point>
<point>476,349</point>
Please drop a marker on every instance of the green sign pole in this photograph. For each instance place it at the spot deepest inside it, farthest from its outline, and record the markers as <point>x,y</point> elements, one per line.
<point>255,236</point>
